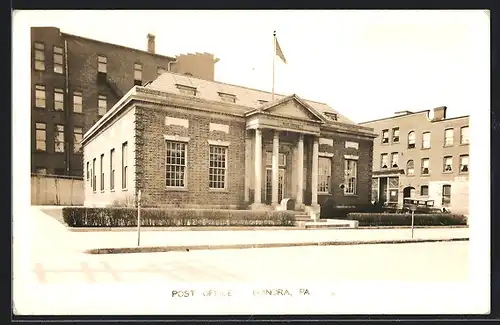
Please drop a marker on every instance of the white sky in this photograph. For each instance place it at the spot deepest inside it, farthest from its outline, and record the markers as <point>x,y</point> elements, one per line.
<point>365,64</point>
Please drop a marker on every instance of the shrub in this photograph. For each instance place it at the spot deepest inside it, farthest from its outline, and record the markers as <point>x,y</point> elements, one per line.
<point>400,219</point>
<point>155,217</point>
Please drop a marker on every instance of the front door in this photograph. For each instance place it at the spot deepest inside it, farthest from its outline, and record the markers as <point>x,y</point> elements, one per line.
<point>269,184</point>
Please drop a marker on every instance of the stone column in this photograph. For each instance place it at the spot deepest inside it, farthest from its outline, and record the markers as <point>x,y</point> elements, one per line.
<point>248,165</point>
<point>300,170</point>
<point>314,172</point>
<point>258,166</point>
<point>275,167</point>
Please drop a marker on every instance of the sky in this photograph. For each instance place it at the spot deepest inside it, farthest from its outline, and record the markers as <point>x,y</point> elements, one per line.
<point>365,64</point>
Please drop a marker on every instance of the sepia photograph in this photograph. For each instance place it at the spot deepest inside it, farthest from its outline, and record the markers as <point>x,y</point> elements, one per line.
<point>197,162</point>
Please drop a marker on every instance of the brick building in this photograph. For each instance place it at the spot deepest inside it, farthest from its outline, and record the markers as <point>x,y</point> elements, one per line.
<point>187,141</point>
<point>75,80</point>
<point>422,155</point>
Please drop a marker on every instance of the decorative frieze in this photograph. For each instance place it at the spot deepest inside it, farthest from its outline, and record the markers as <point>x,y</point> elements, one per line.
<point>176,121</point>
<point>219,127</point>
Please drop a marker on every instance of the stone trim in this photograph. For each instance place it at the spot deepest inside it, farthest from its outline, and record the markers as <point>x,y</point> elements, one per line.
<point>175,138</point>
<point>351,157</point>
<point>352,144</point>
<point>219,127</point>
<point>325,154</point>
<point>219,143</point>
<point>176,121</point>
<point>326,141</point>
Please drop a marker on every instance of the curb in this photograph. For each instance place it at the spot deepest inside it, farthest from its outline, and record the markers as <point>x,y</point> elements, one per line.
<point>158,249</point>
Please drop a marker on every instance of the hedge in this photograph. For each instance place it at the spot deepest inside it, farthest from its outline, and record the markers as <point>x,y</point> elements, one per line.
<point>335,212</point>
<point>154,217</point>
<point>404,219</point>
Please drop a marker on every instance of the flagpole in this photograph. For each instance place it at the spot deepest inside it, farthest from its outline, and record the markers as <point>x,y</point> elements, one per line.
<point>274,58</point>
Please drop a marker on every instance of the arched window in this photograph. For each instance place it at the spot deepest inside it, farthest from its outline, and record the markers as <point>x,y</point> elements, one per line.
<point>411,140</point>
<point>410,167</point>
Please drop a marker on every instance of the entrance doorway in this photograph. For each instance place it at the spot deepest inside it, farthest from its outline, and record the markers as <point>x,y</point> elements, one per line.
<point>269,184</point>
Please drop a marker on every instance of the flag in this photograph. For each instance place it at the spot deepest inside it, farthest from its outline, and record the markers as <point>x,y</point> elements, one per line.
<point>279,52</point>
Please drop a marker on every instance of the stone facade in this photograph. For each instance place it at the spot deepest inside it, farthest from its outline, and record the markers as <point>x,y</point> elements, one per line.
<point>441,144</point>
<point>282,149</point>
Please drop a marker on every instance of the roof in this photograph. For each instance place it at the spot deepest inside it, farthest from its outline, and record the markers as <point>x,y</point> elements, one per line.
<point>245,97</point>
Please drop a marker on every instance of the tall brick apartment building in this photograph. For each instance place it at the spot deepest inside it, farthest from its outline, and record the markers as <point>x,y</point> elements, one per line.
<point>422,155</point>
<point>187,141</point>
<point>75,81</point>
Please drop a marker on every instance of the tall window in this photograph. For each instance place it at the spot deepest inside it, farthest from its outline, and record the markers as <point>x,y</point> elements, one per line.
<point>112,169</point>
<point>446,197</point>
<point>77,139</point>
<point>137,74</point>
<point>103,105</point>
<point>40,96</point>
<point>39,56</point>
<point>424,190</point>
<point>324,174</point>
<point>464,135</point>
<point>124,164</point>
<point>395,160</point>
<point>385,136</point>
<point>218,167</point>
<point>58,59</point>
<point>410,168</point>
<point>58,99</point>
<point>77,102</point>
<point>350,172</point>
<point>102,64</point>
<point>464,163</point>
<point>375,189</point>
<point>160,71</point>
<point>94,181</point>
<point>102,172</point>
<point>447,164</point>
<point>411,140</point>
<point>41,136</point>
<point>395,135</point>
<point>88,171</point>
<point>425,166</point>
<point>281,159</point>
<point>384,160</point>
<point>426,140</point>
<point>448,137</point>
<point>59,139</point>
<point>175,172</point>
<point>393,187</point>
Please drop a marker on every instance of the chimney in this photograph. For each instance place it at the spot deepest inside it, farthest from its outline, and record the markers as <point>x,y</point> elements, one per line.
<point>439,113</point>
<point>151,43</point>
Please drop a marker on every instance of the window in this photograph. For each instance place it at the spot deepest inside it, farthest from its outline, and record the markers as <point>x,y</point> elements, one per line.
<point>393,187</point>
<point>138,74</point>
<point>58,59</point>
<point>350,172</point>
<point>88,171</point>
<point>375,189</point>
<point>161,71</point>
<point>425,166</point>
<point>448,137</point>
<point>124,165</point>
<point>395,160</point>
<point>41,136</point>
<point>410,168</point>
<point>426,140</point>
<point>464,135</point>
<point>175,164</point>
<point>281,159</point>
<point>39,56</point>
<point>112,169</point>
<point>102,173</point>
<point>218,167</point>
<point>59,138</point>
<point>385,136</point>
<point>384,160</point>
<point>186,90</point>
<point>102,64</point>
<point>93,176</point>
<point>324,174</point>
<point>41,170</point>
<point>40,96</point>
<point>446,199</point>
<point>77,102</point>
<point>102,105</point>
<point>395,135</point>
<point>447,164</point>
<point>59,171</point>
<point>58,99</point>
<point>227,98</point>
<point>424,190</point>
<point>77,139</point>
<point>464,163</point>
<point>411,140</point>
